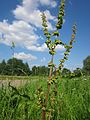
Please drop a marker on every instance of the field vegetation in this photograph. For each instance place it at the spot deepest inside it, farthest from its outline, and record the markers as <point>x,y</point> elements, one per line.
<point>47,93</point>
<point>73,100</point>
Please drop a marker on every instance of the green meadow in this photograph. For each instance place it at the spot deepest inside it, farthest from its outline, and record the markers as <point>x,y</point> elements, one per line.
<point>72,102</point>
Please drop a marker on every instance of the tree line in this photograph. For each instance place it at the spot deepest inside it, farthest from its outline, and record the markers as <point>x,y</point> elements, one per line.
<point>85,70</point>
<point>19,68</point>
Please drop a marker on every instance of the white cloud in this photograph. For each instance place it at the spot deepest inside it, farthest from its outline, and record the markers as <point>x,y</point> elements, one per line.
<point>60,47</point>
<point>48,15</point>
<point>41,48</point>
<point>25,56</point>
<point>23,35</point>
<point>53,4</point>
<point>22,30</point>
<point>34,18</point>
<point>30,13</point>
<point>48,2</point>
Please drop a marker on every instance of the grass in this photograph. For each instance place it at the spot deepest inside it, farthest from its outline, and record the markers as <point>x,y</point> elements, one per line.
<point>6,77</point>
<point>73,101</point>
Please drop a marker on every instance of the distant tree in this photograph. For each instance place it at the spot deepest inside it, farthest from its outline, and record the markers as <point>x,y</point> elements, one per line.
<point>3,67</point>
<point>77,72</point>
<point>44,70</point>
<point>40,70</point>
<point>27,69</point>
<point>86,65</point>
<point>66,72</point>
<point>14,67</point>
<point>34,70</point>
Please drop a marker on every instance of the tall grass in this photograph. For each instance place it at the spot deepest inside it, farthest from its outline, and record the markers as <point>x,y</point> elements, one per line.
<point>72,102</point>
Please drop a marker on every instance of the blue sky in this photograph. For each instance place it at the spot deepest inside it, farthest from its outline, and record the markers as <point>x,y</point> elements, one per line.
<point>20,21</point>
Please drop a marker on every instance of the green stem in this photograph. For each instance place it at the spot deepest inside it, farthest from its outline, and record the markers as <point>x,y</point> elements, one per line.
<point>48,90</point>
<point>49,79</point>
<point>43,114</point>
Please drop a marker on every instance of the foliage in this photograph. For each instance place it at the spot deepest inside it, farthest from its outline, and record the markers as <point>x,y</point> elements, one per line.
<point>3,67</point>
<point>86,66</point>
<point>52,83</point>
<point>50,101</point>
<point>52,44</point>
<point>40,70</point>
<point>73,100</point>
<point>14,67</point>
<point>66,72</point>
<point>78,72</point>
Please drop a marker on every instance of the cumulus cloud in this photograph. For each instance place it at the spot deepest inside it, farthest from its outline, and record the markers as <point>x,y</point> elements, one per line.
<point>25,56</point>
<point>30,13</point>
<point>33,17</point>
<point>48,2</point>
<point>60,47</point>
<point>22,30</point>
<point>40,48</point>
<point>23,35</point>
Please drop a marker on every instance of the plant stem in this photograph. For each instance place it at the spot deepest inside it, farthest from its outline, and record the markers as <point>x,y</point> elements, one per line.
<point>43,114</point>
<point>49,116</point>
<point>51,68</point>
<point>50,77</point>
<point>48,90</point>
<point>56,86</point>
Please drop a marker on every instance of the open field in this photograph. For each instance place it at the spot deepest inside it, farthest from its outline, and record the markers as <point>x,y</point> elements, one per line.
<point>73,101</point>
<point>44,60</point>
<point>16,81</point>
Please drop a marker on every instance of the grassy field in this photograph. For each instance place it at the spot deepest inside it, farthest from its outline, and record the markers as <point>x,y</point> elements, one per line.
<point>73,100</point>
<point>6,77</point>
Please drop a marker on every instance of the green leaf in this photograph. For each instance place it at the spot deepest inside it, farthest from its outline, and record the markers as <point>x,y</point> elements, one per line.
<point>58,70</point>
<point>74,28</point>
<point>62,60</point>
<point>52,52</point>
<point>89,108</point>
<point>70,46</point>
<point>66,46</point>
<point>13,45</point>
<point>74,40</point>
<point>58,26</point>
<point>73,36</point>
<point>44,24</point>
<point>65,58</point>
<point>48,36</point>
<point>68,50</point>
<point>57,41</point>
<point>59,16</point>
<point>48,41</point>
<point>53,65</point>
<point>66,53</point>
<point>52,46</point>
<point>45,29</point>
<point>46,33</point>
<point>56,33</point>
<point>50,64</point>
<point>61,65</point>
